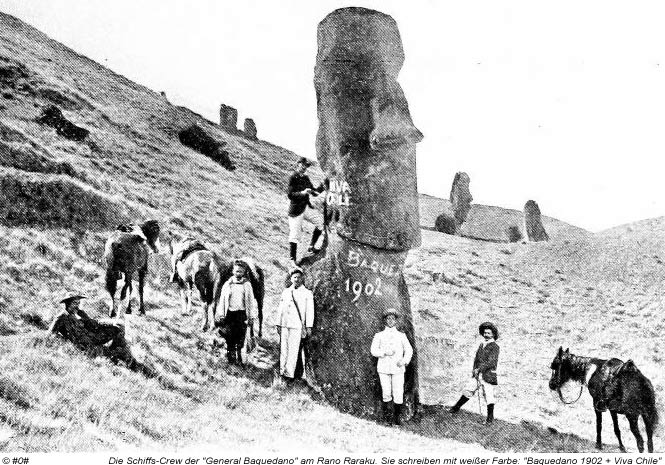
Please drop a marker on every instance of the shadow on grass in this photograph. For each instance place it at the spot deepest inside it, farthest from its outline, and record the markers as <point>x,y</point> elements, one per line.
<point>501,436</point>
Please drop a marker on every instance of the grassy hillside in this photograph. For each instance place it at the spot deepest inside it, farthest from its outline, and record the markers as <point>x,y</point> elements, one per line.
<point>490,223</point>
<point>600,296</point>
<point>60,199</point>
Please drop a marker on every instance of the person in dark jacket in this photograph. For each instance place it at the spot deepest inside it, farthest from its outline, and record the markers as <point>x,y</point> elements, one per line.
<point>483,375</point>
<point>299,191</point>
<point>88,334</point>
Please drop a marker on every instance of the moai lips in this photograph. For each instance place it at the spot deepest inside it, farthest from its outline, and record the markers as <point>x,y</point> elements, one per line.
<point>366,145</point>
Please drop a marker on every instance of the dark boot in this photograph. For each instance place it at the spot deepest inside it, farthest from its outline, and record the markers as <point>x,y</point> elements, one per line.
<point>455,408</point>
<point>239,356</point>
<point>396,414</point>
<point>293,251</point>
<point>490,414</point>
<point>231,355</point>
<point>387,414</point>
<point>315,237</point>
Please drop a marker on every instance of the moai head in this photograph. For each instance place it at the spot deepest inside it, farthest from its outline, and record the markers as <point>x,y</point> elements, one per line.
<point>532,209</point>
<point>366,141</point>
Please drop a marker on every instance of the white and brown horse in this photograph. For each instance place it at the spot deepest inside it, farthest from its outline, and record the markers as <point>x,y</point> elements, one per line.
<point>195,266</point>
<point>198,267</point>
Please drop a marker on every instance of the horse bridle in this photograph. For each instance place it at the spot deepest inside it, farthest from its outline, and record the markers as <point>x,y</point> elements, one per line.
<point>558,389</point>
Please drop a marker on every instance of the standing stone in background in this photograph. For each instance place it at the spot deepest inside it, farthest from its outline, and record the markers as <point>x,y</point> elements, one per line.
<point>228,117</point>
<point>366,144</point>
<point>250,128</point>
<point>460,199</point>
<point>533,223</point>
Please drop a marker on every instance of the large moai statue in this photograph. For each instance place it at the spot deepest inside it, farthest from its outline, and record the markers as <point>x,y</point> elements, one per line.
<point>228,117</point>
<point>250,128</point>
<point>533,223</point>
<point>366,144</point>
<point>460,198</point>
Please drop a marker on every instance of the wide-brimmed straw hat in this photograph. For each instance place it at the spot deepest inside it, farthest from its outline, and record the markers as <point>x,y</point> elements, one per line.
<point>69,296</point>
<point>491,327</point>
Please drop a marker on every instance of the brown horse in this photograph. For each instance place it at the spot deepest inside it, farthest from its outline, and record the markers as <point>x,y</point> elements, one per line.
<point>614,387</point>
<point>126,253</point>
<point>631,393</point>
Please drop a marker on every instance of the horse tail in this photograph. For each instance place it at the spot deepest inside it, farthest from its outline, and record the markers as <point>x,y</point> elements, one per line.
<point>204,280</point>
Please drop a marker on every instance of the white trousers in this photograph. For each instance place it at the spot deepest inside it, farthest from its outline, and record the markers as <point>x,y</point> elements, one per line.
<point>288,350</point>
<point>487,390</point>
<point>392,387</point>
<point>295,223</point>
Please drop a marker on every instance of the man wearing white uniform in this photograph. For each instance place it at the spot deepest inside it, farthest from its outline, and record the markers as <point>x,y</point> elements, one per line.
<point>295,318</point>
<point>394,353</point>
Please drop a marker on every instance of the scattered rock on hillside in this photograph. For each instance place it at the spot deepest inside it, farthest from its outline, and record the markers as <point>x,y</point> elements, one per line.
<point>52,116</point>
<point>514,234</point>
<point>534,223</point>
<point>460,198</point>
<point>445,224</point>
<point>228,117</point>
<point>55,201</point>
<point>250,128</point>
<point>197,139</point>
<point>20,152</point>
<point>12,73</point>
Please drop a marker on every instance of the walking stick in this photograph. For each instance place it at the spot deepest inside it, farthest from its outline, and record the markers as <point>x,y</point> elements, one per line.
<point>479,389</point>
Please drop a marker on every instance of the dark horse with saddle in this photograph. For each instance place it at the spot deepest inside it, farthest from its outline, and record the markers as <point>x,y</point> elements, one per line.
<point>615,386</point>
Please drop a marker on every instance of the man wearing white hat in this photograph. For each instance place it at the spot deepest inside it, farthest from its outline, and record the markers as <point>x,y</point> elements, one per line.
<point>394,352</point>
<point>76,326</point>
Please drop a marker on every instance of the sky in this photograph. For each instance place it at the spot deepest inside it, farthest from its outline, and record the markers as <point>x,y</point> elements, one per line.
<point>560,102</point>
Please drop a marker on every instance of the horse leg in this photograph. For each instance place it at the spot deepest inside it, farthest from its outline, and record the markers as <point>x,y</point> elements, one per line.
<point>142,274</point>
<point>599,429</point>
<point>183,300</point>
<point>260,321</point>
<point>634,427</point>
<point>206,324</point>
<point>126,289</point>
<point>111,287</point>
<point>648,425</point>
<point>190,294</point>
<point>617,431</point>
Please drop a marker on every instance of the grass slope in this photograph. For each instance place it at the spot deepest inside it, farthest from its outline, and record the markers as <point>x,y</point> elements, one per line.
<point>490,223</point>
<point>133,166</point>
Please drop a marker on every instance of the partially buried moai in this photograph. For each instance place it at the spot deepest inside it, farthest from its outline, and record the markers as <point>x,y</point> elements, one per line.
<point>366,144</point>
<point>533,222</point>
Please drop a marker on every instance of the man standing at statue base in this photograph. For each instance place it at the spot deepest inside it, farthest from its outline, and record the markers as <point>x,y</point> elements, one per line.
<point>394,353</point>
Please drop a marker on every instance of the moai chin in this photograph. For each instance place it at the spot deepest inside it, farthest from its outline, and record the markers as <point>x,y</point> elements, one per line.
<point>366,144</point>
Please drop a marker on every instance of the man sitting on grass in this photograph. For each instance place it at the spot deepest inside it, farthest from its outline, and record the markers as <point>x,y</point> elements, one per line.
<point>88,334</point>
